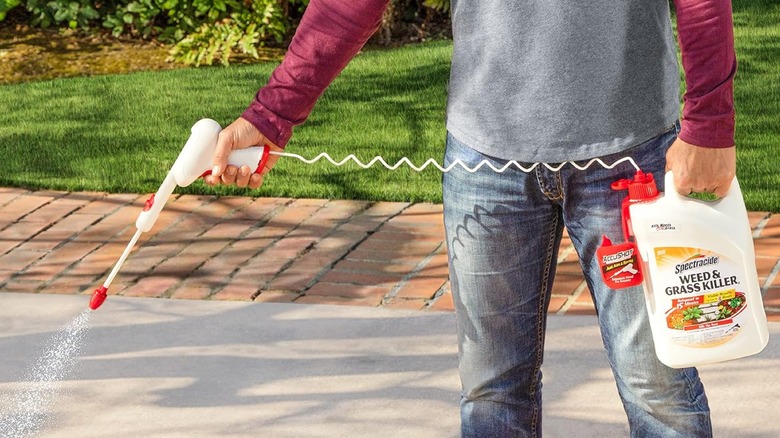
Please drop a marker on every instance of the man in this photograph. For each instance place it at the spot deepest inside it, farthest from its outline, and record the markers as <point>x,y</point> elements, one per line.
<point>550,82</point>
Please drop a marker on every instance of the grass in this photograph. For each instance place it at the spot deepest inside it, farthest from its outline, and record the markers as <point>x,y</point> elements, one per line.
<point>757,98</point>
<point>121,133</point>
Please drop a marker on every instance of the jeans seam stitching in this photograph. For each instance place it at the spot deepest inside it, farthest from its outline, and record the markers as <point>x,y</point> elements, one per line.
<point>690,384</point>
<point>539,318</point>
<point>543,187</point>
<point>559,187</point>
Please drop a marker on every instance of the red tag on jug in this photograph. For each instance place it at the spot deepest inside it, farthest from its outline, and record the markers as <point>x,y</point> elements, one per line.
<point>619,264</point>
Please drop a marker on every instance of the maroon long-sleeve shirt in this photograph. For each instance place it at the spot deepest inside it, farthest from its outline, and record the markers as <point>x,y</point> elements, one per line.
<point>333,31</point>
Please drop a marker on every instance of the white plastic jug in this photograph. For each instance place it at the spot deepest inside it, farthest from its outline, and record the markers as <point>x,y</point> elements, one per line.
<point>701,284</point>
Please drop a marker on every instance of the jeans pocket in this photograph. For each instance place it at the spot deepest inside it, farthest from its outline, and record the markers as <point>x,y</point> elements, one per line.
<point>457,151</point>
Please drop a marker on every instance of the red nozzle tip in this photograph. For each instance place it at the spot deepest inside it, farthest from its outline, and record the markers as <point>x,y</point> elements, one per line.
<point>98,297</point>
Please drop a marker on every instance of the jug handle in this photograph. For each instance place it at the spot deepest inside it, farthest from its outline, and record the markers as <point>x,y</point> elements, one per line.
<point>733,195</point>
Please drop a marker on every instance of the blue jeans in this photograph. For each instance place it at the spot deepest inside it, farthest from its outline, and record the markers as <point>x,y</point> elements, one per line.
<point>503,231</point>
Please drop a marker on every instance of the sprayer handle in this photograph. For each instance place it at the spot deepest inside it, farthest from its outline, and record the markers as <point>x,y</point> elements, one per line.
<point>194,161</point>
<point>197,156</point>
<point>253,157</point>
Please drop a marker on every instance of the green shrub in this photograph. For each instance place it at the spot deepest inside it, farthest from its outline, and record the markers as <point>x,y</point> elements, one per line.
<point>167,20</point>
<point>137,18</point>
<point>203,31</point>
<point>240,34</point>
<point>70,13</point>
<point>7,5</point>
<point>217,41</point>
<point>439,5</point>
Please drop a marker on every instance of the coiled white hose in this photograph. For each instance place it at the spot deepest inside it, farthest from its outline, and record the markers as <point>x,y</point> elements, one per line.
<point>434,163</point>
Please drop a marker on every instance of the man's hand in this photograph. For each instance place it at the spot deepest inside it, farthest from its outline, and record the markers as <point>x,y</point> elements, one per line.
<point>239,135</point>
<point>701,170</point>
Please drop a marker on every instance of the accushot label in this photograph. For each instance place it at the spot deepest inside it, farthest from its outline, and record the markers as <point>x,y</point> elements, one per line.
<point>620,267</point>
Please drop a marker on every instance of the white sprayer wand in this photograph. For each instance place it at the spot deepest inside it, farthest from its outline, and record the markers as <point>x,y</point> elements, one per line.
<point>194,161</point>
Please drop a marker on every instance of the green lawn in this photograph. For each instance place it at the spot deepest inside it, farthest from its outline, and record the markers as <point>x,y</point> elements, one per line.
<point>757,97</point>
<point>121,133</point>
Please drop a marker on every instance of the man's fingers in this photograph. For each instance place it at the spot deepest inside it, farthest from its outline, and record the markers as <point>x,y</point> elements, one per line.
<point>229,175</point>
<point>238,135</point>
<point>221,153</point>
<point>686,187</point>
<point>704,172</point>
<point>699,190</point>
<point>242,179</point>
<point>721,191</point>
<point>255,180</point>
<point>682,186</point>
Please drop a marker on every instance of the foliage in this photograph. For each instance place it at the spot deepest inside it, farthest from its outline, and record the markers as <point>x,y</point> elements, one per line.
<point>73,14</point>
<point>136,18</point>
<point>165,20</point>
<point>168,20</point>
<point>203,31</point>
<point>241,33</point>
<point>218,41</point>
<point>439,5</point>
<point>7,5</point>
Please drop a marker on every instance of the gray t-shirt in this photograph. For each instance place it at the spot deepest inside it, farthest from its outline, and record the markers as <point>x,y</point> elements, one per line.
<point>560,80</point>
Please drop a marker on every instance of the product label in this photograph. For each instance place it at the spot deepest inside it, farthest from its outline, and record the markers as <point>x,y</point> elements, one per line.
<point>704,293</point>
<point>620,267</point>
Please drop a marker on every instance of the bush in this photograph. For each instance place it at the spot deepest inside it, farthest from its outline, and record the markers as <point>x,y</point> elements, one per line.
<point>241,34</point>
<point>439,5</point>
<point>137,18</point>
<point>205,31</point>
<point>167,20</point>
<point>217,42</point>
<point>7,5</point>
<point>73,14</point>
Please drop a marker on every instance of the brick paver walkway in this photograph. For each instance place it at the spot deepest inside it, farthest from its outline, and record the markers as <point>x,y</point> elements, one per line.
<point>389,254</point>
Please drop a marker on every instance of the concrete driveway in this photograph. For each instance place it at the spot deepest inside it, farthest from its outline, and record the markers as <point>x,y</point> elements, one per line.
<point>181,368</point>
